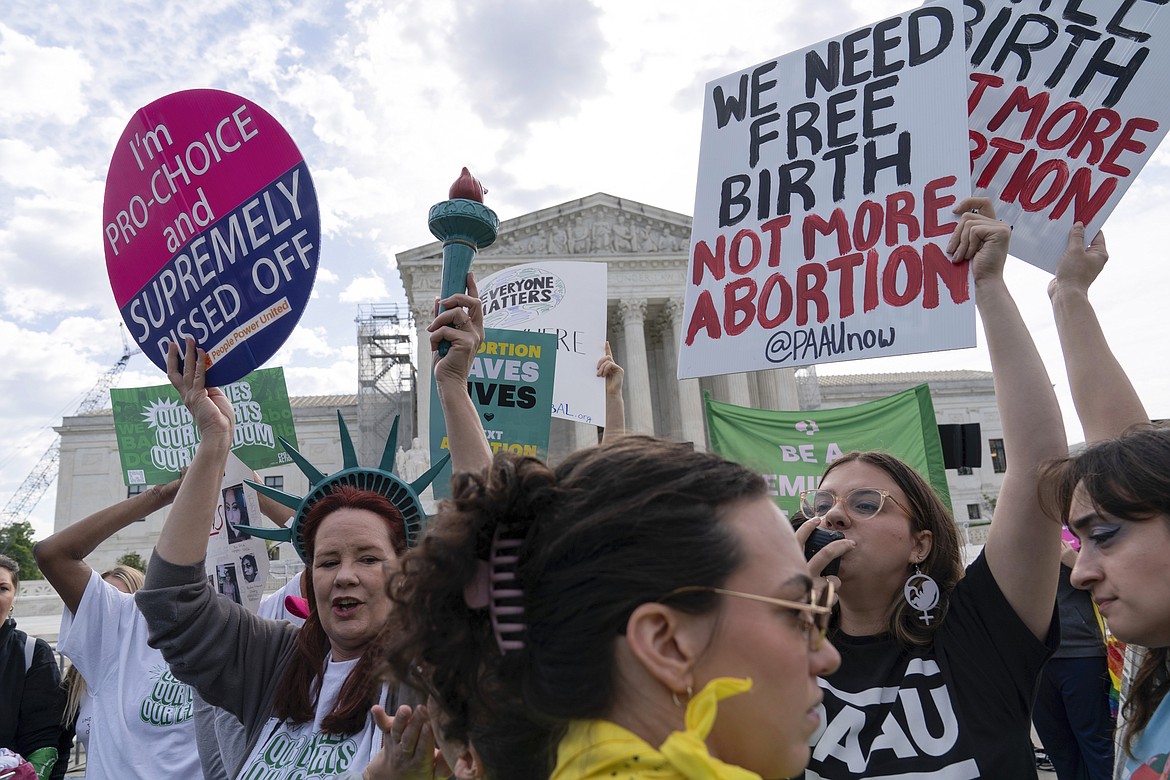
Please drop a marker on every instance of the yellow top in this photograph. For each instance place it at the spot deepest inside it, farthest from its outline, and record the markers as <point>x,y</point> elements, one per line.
<point>605,750</point>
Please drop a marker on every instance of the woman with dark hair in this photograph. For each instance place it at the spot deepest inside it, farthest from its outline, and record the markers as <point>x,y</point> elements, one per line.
<point>1115,497</point>
<point>938,665</point>
<point>649,582</point>
<point>31,699</point>
<point>639,610</point>
<point>235,513</point>
<point>303,695</point>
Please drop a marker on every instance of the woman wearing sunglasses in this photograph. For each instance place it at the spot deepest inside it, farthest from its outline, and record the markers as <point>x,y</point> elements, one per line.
<point>642,609</point>
<point>643,603</point>
<point>938,665</point>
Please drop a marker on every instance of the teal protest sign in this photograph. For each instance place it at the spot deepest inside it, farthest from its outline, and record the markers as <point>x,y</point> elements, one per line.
<point>511,384</point>
<point>157,437</point>
<point>792,449</point>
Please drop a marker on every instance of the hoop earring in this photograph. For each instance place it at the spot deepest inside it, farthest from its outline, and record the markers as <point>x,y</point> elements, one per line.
<point>674,697</point>
<point>921,593</point>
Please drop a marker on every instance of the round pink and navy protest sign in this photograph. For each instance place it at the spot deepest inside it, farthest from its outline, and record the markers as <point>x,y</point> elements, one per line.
<point>211,230</point>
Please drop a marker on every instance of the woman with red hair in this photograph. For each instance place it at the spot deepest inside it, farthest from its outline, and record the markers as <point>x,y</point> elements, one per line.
<point>305,696</point>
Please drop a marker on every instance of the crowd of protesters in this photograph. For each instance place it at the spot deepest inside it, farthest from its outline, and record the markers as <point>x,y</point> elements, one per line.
<point>641,609</point>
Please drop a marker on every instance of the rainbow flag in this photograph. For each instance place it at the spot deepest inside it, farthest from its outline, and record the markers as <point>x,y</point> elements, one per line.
<point>1116,660</point>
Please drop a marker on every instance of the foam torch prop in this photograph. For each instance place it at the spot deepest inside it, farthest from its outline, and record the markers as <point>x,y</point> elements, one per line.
<point>465,226</point>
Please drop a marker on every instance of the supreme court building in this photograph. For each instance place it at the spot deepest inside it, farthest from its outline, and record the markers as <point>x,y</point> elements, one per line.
<point>645,249</point>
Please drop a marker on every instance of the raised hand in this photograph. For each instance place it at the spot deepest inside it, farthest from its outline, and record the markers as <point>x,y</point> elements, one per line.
<point>462,325</point>
<point>1079,266</point>
<point>980,238</point>
<point>408,745</point>
<point>208,405</point>
<point>614,374</point>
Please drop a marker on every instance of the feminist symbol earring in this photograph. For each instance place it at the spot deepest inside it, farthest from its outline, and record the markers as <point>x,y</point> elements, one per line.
<point>921,593</point>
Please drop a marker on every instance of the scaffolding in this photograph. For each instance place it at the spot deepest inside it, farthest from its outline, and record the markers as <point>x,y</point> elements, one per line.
<point>386,377</point>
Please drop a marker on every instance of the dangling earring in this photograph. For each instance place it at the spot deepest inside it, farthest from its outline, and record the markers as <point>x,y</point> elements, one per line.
<point>921,593</point>
<point>674,696</point>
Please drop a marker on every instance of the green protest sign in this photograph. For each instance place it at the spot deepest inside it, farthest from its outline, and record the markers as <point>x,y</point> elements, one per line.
<point>792,449</point>
<point>511,384</point>
<point>157,437</point>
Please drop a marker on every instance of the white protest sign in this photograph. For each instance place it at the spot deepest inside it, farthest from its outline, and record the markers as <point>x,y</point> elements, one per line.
<point>567,299</point>
<point>826,183</point>
<point>1068,102</point>
<point>237,562</point>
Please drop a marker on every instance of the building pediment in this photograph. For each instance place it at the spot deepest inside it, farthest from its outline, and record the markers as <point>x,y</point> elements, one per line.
<point>623,233</point>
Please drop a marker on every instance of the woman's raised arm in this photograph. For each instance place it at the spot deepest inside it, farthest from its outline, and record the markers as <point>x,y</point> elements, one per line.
<point>61,557</point>
<point>1023,545</point>
<point>183,540</point>
<point>1105,399</point>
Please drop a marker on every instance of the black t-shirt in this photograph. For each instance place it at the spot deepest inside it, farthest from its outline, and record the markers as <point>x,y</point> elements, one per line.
<point>1080,633</point>
<point>957,709</point>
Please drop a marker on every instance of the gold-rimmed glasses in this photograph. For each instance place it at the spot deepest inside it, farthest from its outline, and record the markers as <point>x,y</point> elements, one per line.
<point>859,504</point>
<point>818,608</point>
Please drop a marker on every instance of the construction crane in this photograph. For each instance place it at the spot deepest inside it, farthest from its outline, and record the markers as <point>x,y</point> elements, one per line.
<point>30,492</point>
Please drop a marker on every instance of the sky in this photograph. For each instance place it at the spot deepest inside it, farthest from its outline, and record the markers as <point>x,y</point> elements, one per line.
<point>544,100</point>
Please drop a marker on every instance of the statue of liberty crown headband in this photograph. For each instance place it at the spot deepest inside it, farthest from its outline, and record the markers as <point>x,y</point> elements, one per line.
<point>381,480</point>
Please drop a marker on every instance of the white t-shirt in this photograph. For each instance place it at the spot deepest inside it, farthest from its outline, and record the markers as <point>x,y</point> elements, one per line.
<point>140,724</point>
<point>299,750</point>
<point>84,719</point>
<point>273,606</point>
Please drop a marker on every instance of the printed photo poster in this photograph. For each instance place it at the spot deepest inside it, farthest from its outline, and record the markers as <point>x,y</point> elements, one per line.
<point>1068,102</point>
<point>792,449</point>
<point>211,230</point>
<point>237,562</point>
<point>511,384</point>
<point>157,436</point>
<point>568,300</point>
<point>823,208</point>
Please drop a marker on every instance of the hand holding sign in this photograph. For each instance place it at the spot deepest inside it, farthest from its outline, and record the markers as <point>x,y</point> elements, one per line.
<point>208,405</point>
<point>1079,266</point>
<point>980,238</point>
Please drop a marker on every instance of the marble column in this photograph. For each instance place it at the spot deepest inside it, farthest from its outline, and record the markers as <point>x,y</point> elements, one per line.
<point>423,315</point>
<point>732,388</point>
<point>776,390</point>
<point>639,413</point>
<point>690,397</point>
<point>584,435</point>
<point>666,373</point>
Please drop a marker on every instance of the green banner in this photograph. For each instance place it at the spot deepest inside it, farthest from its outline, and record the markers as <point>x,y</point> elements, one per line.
<point>511,384</point>
<point>157,437</point>
<point>792,449</point>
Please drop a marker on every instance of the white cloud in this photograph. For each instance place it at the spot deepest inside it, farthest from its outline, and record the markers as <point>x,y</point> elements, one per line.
<point>365,289</point>
<point>43,82</point>
<point>312,343</point>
